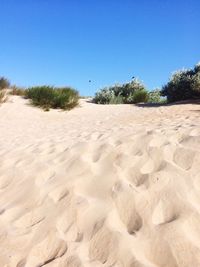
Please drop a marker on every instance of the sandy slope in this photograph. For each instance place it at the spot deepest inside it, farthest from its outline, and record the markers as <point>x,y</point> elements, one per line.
<point>99,186</point>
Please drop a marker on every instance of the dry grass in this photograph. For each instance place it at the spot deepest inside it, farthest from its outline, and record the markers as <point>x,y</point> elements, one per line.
<point>17,91</point>
<point>3,96</point>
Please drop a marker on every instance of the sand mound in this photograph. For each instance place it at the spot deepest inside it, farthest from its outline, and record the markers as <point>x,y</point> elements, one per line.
<point>114,185</point>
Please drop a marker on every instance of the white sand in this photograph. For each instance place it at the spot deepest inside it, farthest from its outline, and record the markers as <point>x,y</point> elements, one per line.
<point>99,186</point>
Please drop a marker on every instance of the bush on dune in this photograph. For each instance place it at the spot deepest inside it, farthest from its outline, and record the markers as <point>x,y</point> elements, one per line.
<point>4,83</point>
<point>116,100</point>
<point>51,97</point>
<point>155,97</point>
<point>130,90</point>
<point>128,93</point>
<point>183,85</point>
<point>42,96</point>
<point>140,96</point>
<point>66,98</point>
<point>104,96</point>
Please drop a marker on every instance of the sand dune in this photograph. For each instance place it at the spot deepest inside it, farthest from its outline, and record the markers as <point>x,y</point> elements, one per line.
<point>115,185</point>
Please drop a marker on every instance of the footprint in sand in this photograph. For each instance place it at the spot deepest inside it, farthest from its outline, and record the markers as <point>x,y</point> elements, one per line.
<point>191,228</point>
<point>125,205</point>
<point>191,142</point>
<point>103,245</point>
<point>95,136</point>
<point>44,176</point>
<point>164,212</point>
<point>137,178</point>
<point>158,253</point>
<point>16,261</point>
<point>66,224</point>
<point>58,193</point>
<point>30,219</point>
<point>73,261</point>
<point>12,214</point>
<point>184,158</point>
<point>148,167</point>
<point>46,251</point>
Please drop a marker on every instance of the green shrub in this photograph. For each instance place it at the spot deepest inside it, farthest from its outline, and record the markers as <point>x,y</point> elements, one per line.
<point>42,96</point>
<point>120,94</point>
<point>66,98</point>
<point>129,89</point>
<point>51,97</point>
<point>140,96</point>
<point>4,83</point>
<point>183,85</point>
<point>155,97</point>
<point>116,100</point>
<point>104,96</point>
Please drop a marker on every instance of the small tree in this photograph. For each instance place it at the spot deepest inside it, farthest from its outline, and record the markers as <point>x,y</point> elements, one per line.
<point>183,85</point>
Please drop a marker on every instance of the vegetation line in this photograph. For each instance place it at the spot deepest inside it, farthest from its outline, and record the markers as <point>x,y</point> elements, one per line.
<point>182,85</point>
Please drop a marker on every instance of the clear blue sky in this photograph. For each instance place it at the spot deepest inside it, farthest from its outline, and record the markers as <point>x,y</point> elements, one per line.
<point>68,42</point>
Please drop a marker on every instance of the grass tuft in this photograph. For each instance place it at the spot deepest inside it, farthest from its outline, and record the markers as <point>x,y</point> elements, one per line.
<point>15,90</point>
<point>3,96</point>
<point>52,97</point>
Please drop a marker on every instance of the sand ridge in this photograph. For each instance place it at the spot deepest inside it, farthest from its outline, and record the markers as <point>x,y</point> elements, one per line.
<point>113,185</point>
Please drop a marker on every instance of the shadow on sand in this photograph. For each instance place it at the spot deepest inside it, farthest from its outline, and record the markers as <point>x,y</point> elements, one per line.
<point>154,105</point>
<point>151,105</point>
